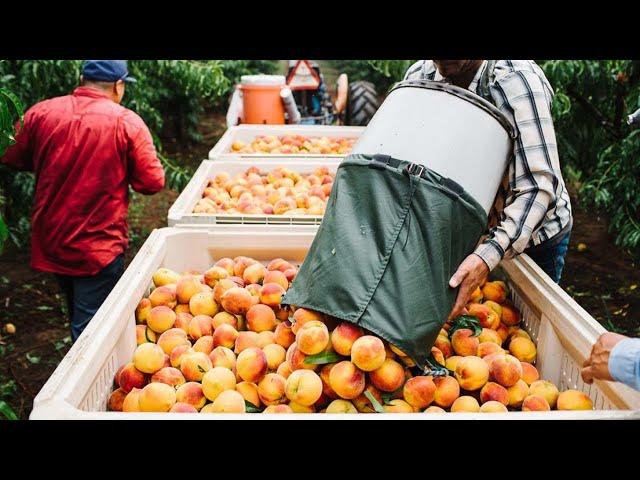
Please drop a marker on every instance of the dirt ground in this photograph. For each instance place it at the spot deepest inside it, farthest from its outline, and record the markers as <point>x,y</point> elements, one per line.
<point>603,279</point>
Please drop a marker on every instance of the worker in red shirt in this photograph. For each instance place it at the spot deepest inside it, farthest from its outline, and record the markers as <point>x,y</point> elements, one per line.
<point>85,150</point>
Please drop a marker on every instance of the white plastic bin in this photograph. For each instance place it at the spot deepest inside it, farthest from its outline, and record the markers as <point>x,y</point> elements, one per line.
<point>246,133</point>
<point>181,212</point>
<point>80,386</point>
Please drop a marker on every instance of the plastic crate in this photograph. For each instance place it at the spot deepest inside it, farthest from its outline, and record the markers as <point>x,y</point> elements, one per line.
<point>80,386</point>
<point>181,212</point>
<point>246,133</point>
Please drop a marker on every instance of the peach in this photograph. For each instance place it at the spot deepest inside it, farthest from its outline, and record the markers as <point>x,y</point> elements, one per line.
<point>131,402</point>
<point>452,361</point>
<point>254,290</point>
<point>367,352</point>
<point>223,357</point>
<point>171,339</point>
<point>343,337</point>
<point>282,314</point>
<point>251,364</point>
<point>486,316</point>
<point>237,300</point>
<point>341,406</point>
<point>164,276</point>
<point>290,273</point>
<point>266,338</point>
<point>495,291</point>
<point>180,407</point>
<point>276,354</point>
<point>261,318</point>
<point>229,401</point>
<point>225,336</point>
<point>488,359</point>
<point>250,392</point>
<point>398,406</point>
<point>254,273</point>
<point>444,345</point>
<point>515,332</point>
<point>177,353</point>
<point>157,397</point>
<point>523,349</point>
<point>214,275</point>
<point>164,296</point>
<point>493,406</point>
<point>465,404</point>
<point>487,348</point>
<point>496,307</point>
<point>389,377</point>
<point>240,265</point>
<point>182,321</point>
<point>204,344</point>
<point>304,315</point>
<point>145,335</point>
<point>191,393</point>
<point>246,340</point>
<point>363,404</point>
<point>276,276</point>
<point>186,288</point>
<point>419,391</point>
<point>472,373</point>
<point>271,294</point>
<point>200,326</point>
<point>167,361</point>
<point>492,391</point>
<point>148,358</point>
<point>142,310</point>
<point>535,403</point>
<point>297,408</point>
<point>476,296</point>
<point>203,303</point>
<point>464,343</point>
<point>503,332</point>
<point>182,308</point>
<point>546,390</point>
<point>505,370</point>
<point>304,387</point>
<point>517,393</point>
<point>271,389</point>
<point>529,373</point>
<point>161,318</point>
<point>489,335</point>
<point>216,381</point>
<point>435,352</point>
<point>313,338</point>
<point>296,358</point>
<point>278,409</point>
<point>510,316</point>
<point>194,365</point>
<point>222,287</point>
<point>116,399</point>
<point>284,335</point>
<point>224,318</point>
<point>170,376</point>
<point>434,409</point>
<point>284,369</point>
<point>225,263</point>
<point>348,382</point>
<point>574,400</point>
<point>447,391</point>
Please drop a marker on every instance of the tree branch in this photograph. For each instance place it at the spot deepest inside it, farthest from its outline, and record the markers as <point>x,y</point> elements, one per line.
<point>593,110</point>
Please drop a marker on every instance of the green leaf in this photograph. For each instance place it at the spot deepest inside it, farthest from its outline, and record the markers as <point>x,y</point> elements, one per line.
<point>4,234</point>
<point>33,359</point>
<point>376,405</point>
<point>466,321</point>
<point>322,358</point>
<point>251,408</point>
<point>7,411</point>
<point>386,396</point>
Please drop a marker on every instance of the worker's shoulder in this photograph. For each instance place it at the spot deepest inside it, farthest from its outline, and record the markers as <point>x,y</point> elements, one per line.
<point>131,119</point>
<point>507,69</point>
<point>420,68</point>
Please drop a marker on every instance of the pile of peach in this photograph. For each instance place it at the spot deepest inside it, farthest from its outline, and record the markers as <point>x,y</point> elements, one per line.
<point>291,144</point>
<point>219,342</point>
<point>279,192</point>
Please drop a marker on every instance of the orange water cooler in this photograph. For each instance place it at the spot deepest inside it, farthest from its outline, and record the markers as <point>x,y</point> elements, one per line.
<point>261,100</point>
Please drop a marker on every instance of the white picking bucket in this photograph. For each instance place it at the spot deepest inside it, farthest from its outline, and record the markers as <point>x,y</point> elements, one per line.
<point>452,131</point>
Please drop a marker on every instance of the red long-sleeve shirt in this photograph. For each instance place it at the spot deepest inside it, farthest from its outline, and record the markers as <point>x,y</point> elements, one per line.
<point>85,150</point>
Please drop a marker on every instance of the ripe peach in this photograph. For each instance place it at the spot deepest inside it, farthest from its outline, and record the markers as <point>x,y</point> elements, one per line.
<point>271,294</point>
<point>343,337</point>
<point>574,400</point>
<point>452,361</point>
<point>237,300</point>
<point>535,403</point>
<point>284,369</point>
<point>303,387</point>
<point>296,358</point>
<point>304,315</point>
<point>271,389</point>
<point>191,393</point>
<point>465,404</point>
<point>171,339</point>
<point>224,317</point>
<point>341,406</point>
<point>229,401</point>
<point>186,288</point>
<point>194,365</point>
<point>225,336</point>
<point>177,353</point>
<point>223,357</point>
<point>180,407</point>
<point>517,393</point>
<point>251,364</point>
<point>169,375</point>
<point>434,409</point>
<point>389,377</point>
<point>444,345</point>
<point>546,390</point>
<point>216,381</point>
<point>510,316</point>
<point>488,359</point>
<point>419,391</point>
<point>278,409</point>
<point>225,263</point>
<point>241,263</point>
<point>157,397</point>
<point>489,335</point>
<point>266,338</point>
<point>250,392</point>
<point>505,370</point>
<point>163,276</point>
<point>116,399</point>
<point>222,287</point>
<point>261,318</point>
<point>282,314</point>
<point>200,326</point>
<point>515,332</point>
<point>246,340</point>
<point>203,303</point>
<point>529,373</point>
<point>464,343</point>
<point>297,408</point>
<point>276,354</point>
<point>487,348</point>
<point>144,335</point>
<point>167,361</point>
<point>447,391</point>
<point>182,308</point>
<point>148,358</point>
<point>362,403</point>
<point>398,406</point>
<point>276,276</point>
<point>486,316</point>
<point>503,332</point>
<point>290,273</point>
<point>435,352</point>
<point>494,391</point>
<point>495,291</point>
<point>523,349</point>
<point>164,296</point>
<point>131,402</point>
<point>283,334</point>
<point>496,307</point>
<point>367,352</point>
<point>161,318</point>
<point>348,381</point>
<point>493,406</point>
<point>254,273</point>
<point>476,296</point>
<point>214,275</point>
<point>142,310</point>
<point>204,344</point>
<point>182,321</point>
<point>312,337</point>
<point>472,372</point>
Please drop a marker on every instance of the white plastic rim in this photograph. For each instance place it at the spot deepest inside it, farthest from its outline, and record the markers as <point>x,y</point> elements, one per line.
<point>262,80</point>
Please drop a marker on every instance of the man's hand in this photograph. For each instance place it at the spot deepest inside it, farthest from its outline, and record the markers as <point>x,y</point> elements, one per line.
<point>597,365</point>
<point>470,274</point>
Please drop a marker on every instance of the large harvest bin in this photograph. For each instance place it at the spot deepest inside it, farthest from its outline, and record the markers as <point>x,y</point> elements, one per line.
<point>181,212</point>
<point>80,386</point>
<point>246,133</point>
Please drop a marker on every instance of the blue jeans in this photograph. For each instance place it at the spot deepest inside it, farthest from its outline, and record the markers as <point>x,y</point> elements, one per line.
<point>550,255</point>
<point>84,295</point>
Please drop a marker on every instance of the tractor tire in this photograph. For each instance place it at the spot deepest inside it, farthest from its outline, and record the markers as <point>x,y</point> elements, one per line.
<point>362,103</point>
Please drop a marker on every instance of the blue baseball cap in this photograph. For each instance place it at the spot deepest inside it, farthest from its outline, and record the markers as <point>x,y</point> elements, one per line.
<point>106,71</point>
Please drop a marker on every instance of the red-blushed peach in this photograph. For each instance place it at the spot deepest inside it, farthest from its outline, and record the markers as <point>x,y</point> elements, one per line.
<point>145,335</point>
<point>505,370</point>
<point>284,335</point>
<point>343,337</point>
<point>142,311</point>
<point>304,315</point>
<point>171,339</point>
<point>472,373</point>
<point>266,338</point>
<point>476,296</point>
<point>464,343</point>
<point>131,401</point>
<point>278,409</point>
<point>303,387</point>
<point>444,345</point>
<point>434,409</point>
<point>341,406</point>
<point>229,401</point>
<point>282,314</point>
<point>163,276</point>
<point>465,403</point>
<point>435,352</point>
<point>419,391</point>
<point>363,404</point>
<point>116,399</point>
<point>216,381</point>
<point>535,403</point>
<point>296,358</point>
<point>523,349</point>
<point>203,303</point>
<point>161,318</point>
<point>574,400</point>
<point>488,359</point>
<point>170,376</point>
<point>254,273</point>
<point>163,296</point>
<point>204,344</point>
<point>503,332</point>
<point>517,393</point>
<point>545,389</point>
<point>200,326</point>
<point>224,318</point>
<point>290,274</point>
<point>388,378</point>
<point>487,348</point>
<point>312,338</point>
<point>271,294</point>
<point>241,263</point>
<point>225,263</point>
<point>278,264</point>
<point>297,408</point>
<point>214,275</point>
<point>182,321</point>
<point>348,381</point>
<point>367,352</point>
<point>284,369</point>
<point>223,357</point>
<point>495,291</point>
<point>225,336</point>
<point>238,281</point>
<point>276,276</point>
<point>276,354</point>
<point>271,389</point>
<point>486,316</point>
<point>177,353</point>
<point>186,288</point>
<point>246,340</point>
<point>180,407</point>
<point>191,393</point>
<point>251,365</point>
<point>148,358</point>
<point>167,361</point>
<point>116,377</point>
<point>222,287</point>
<point>489,335</point>
<point>494,391</point>
<point>496,307</point>
<point>452,361</point>
<point>250,392</point>
<point>510,316</point>
<point>447,391</point>
<point>157,397</point>
<point>237,301</point>
<point>398,406</point>
<point>493,406</point>
<point>261,318</point>
<point>194,365</point>
<point>529,373</point>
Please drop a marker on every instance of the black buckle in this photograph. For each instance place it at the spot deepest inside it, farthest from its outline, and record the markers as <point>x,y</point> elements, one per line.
<point>414,169</point>
<point>379,162</point>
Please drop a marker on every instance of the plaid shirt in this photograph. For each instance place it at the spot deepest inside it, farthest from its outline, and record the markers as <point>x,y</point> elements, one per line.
<point>532,204</point>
